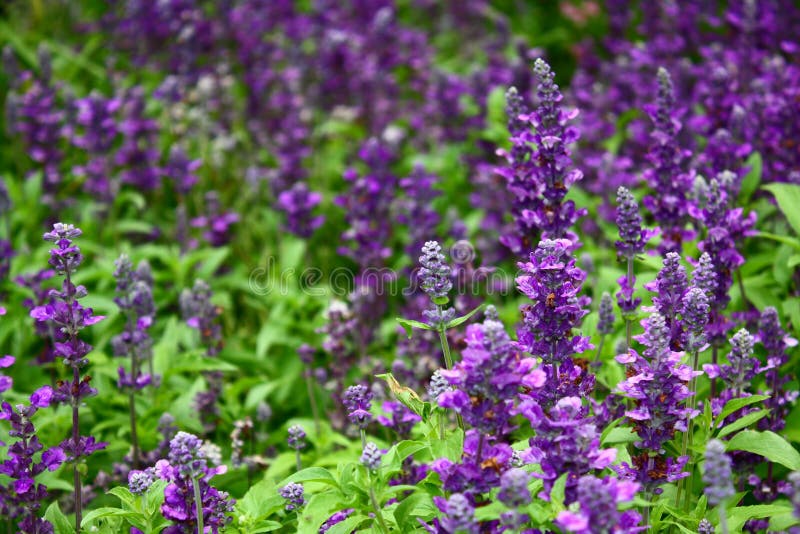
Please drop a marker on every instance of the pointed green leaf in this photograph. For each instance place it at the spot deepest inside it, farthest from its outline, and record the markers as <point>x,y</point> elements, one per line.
<point>769,445</point>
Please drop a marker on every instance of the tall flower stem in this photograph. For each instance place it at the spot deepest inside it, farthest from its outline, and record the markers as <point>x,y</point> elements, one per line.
<point>134,434</point>
<point>312,399</point>
<point>363,438</point>
<point>376,506</point>
<point>448,362</point>
<point>76,439</point>
<point>628,318</point>
<point>687,483</point>
<point>198,503</point>
<point>723,519</point>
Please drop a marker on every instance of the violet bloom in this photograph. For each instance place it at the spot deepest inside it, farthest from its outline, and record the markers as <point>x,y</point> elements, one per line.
<point>138,156</point>
<point>435,279</point>
<point>371,457</point>
<point>293,494</point>
<point>95,115</point>
<point>298,204</point>
<point>400,418</point>
<point>486,382</point>
<point>459,515</point>
<point>216,223</point>
<point>717,473</point>
<point>670,286</point>
<point>658,385</point>
<point>725,229</point>
<point>738,373</point>
<point>598,510</point>
<point>140,482</point>
<point>188,474</point>
<point>297,438</point>
<point>632,240</point>
<point>666,177</point>
<point>67,315</point>
<point>553,282</point>
<point>335,519</point>
<point>38,117</point>
<point>478,471</point>
<point>6,382</point>
<point>566,441</point>
<point>21,499</point>
<point>135,301</point>
<point>775,342</point>
<point>541,180</point>
<point>605,321</point>
<point>357,400</point>
<point>695,318</point>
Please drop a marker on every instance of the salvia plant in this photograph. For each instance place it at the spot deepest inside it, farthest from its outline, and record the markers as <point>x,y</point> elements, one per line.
<point>399,266</point>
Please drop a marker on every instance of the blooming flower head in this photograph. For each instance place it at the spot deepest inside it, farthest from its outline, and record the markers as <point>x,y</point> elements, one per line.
<point>371,457</point>
<point>597,509</point>
<point>459,514</point>
<point>293,494</point>
<point>357,400</point>
<point>605,323</point>
<point>632,238</point>
<point>717,474</point>
<point>695,319</point>
<point>297,437</point>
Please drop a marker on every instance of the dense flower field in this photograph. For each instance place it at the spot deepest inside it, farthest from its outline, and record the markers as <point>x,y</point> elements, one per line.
<point>399,266</point>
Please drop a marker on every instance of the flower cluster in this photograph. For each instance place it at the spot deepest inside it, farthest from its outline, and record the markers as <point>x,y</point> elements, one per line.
<point>188,473</point>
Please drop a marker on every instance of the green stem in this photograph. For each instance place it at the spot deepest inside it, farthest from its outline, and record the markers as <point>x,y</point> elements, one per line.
<point>297,458</point>
<point>198,503</point>
<point>686,483</point>
<point>599,348</point>
<point>363,439</point>
<point>448,362</point>
<point>628,320</point>
<point>723,519</point>
<point>313,401</point>
<point>378,514</point>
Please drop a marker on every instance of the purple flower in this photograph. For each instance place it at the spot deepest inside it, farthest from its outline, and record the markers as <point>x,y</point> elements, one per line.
<point>297,438</point>
<point>357,401</point>
<point>605,322</point>
<point>514,490</point>
<point>22,498</point>
<point>186,468</point>
<point>434,273</point>
<point>775,342</point>
<point>488,379</point>
<point>695,318</point>
<point>298,203</point>
<point>666,177</point>
<point>459,514</point>
<point>293,494</point>
<point>540,177</point>
<point>141,481</point>
<point>138,156</point>
<point>670,286</point>
<point>717,473</point>
<point>335,519</point>
<point>598,509</point>
<point>199,313</point>
<point>371,457</point>
<point>632,237</point>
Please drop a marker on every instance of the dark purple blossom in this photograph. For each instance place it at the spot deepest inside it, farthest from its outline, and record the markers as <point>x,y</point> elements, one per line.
<point>187,469</point>
<point>21,499</point>
<point>458,515</point>
<point>667,177</point>
<point>298,203</point>
<point>335,519</point>
<point>297,437</point>
<point>138,156</point>
<point>605,322</point>
<point>775,342</point>
<point>670,286</point>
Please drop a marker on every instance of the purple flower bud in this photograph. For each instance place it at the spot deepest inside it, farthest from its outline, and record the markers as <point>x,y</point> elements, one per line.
<point>629,221</point>
<point>695,319</point>
<point>514,490</point>
<point>605,323</point>
<point>297,437</point>
<point>293,493</point>
<point>434,273</point>
<point>357,401</point>
<point>371,457</point>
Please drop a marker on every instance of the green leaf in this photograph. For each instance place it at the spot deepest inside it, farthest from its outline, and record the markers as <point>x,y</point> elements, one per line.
<point>769,445</point>
<point>620,435</point>
<point>459,320</point>
<point>410,324</point>
<point>781,239</point>
<point>124,495</point>
<point>107,511</point>
<point>737,404</point>
<point>751,180</point>
<point>312,474</point>
<point>557,493</point>
<point>782,521</point>
<point>407,396</point>
<point>416,505</point>
<point>788,198</point>
<point>740,515</point>
<point>742,422</point>
<point>59,521</point>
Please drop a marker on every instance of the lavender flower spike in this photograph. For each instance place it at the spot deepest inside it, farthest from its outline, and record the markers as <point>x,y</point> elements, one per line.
<point>293,493</point>
<point>632,237</point>
<point>717,475</point>
<point>434,275</point>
